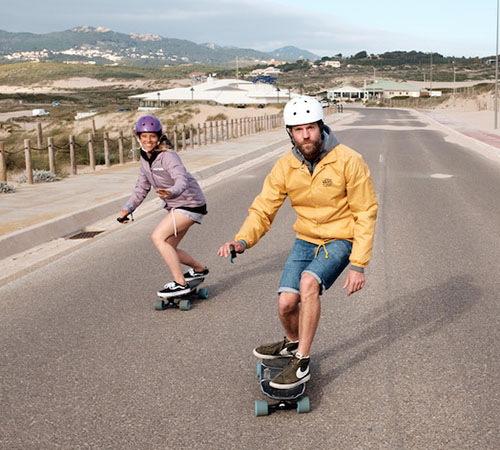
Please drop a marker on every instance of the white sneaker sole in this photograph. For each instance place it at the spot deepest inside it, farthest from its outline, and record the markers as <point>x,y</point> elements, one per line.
<point>291,385</point>
<point>173,294</point>
<point>262,356</point>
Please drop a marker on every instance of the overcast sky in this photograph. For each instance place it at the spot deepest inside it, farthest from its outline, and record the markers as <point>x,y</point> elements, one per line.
<point>324,27</point>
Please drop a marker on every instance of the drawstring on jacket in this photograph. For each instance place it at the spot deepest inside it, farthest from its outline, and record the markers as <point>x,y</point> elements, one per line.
<point>317,250</point>
<point>173,218</point>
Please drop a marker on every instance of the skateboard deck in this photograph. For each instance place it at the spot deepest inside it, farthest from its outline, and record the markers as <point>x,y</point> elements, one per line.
<point>183,301</point>
<point>292,398</point>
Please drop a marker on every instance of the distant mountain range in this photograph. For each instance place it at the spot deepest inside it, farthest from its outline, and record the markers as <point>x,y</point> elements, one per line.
<point>102,45</point>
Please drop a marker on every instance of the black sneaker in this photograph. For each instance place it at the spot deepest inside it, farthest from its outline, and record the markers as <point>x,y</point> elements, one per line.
<point>281,349</point>
<point>295,373</point>
<point>191,274</point>
<point>174,289</point>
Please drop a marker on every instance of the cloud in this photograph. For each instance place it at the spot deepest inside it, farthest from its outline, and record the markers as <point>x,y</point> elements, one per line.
<point>261,25</point>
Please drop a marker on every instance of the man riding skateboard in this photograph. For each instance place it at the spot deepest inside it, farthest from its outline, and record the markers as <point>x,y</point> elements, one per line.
<point>331,191</point>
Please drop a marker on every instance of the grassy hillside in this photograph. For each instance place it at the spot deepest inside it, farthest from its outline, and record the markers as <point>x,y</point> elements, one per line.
<point>32,73</point>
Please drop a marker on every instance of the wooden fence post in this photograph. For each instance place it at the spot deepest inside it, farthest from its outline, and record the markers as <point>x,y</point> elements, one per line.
<point>198,135</point>
<point>39,134</point>
<point>106,149</point>
<point>91,151</point>
<point>27,158</point>
<point>52,159</point>
<point>191,136</point>
<point>183,137</point>
<point>211,132</point>
<point>94,130</point>
<point>134,147</point>
<point>72,154</point>
<point>3,163</point>
<point>204,133</point>
<point>175,138</point>
<point>120,147</point>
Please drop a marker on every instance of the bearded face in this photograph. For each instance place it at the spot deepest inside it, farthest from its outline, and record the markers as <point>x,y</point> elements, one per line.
<point>307,139</point>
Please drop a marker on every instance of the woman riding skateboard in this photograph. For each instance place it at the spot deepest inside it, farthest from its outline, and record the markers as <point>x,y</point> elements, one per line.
<point>162,169</point>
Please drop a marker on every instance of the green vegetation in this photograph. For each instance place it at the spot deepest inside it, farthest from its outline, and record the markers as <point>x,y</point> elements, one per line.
<point>220,116</point>
<point>32,73</point>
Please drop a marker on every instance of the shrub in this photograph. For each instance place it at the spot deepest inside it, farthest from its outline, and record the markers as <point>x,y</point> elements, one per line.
<point>39,176</point>
<point>220,116</point>
<point>6,189</point>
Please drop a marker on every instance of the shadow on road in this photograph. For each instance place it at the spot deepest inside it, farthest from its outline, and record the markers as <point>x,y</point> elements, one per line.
<point>424,312</point>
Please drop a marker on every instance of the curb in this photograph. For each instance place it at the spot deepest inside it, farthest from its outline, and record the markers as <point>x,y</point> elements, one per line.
<point>495,151</point>
<point>71,223</point>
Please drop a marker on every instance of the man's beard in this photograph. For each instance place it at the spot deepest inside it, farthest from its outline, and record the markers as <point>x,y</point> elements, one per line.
<point>310,150</point>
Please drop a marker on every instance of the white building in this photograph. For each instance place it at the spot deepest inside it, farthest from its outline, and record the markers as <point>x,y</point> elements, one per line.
<point>345,92</point>
<point>334,64</point>
<point>224,92</point>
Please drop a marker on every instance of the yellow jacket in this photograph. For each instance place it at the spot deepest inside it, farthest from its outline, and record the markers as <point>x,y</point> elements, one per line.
<point>336,202</point>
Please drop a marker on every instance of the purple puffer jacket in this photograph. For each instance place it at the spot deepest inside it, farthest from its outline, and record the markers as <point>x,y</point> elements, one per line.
<point>166,172</point>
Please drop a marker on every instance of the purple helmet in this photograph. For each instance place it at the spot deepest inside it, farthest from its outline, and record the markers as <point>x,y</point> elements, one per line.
<point>148,124</point>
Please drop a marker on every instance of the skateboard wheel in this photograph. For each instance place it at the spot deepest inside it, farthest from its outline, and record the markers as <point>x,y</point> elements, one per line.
<point>160,305</point>
<point>259,369</point>
<point>261,408</point>
<point>303,405</point>
<point>203,293</point>
<point>185,305</point>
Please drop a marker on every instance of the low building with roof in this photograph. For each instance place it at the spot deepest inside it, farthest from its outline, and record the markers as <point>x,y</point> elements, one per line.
<point>224,92</point>
<point>390,89</point>
<point>345,92</point>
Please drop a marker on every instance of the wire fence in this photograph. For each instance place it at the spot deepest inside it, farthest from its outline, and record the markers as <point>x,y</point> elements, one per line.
<point>93,149</point>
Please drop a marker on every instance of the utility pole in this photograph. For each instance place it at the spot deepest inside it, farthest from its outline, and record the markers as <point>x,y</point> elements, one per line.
<point>430,89</point>
<point>496,77</point>
<point>454,80</point>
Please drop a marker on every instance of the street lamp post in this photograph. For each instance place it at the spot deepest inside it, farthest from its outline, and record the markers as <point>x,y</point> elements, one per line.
<point>496,76</point>
<point>192,93</point>
<point>454,80</point>
<point>430,89</point>
<point>278,94</point>
<point>158,103</point>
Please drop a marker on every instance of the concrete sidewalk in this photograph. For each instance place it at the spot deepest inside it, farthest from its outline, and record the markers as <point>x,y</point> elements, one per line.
<point>489,139</point>
<point>38,213</point>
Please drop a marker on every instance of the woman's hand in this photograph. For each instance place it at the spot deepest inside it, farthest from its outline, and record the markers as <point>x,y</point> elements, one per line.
<point>163,193</point>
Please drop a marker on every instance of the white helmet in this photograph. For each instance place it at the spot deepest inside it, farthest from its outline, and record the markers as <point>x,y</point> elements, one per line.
<point>302,110</point>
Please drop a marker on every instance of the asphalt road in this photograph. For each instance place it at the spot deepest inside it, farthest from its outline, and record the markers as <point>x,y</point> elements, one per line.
<point>410,362</point>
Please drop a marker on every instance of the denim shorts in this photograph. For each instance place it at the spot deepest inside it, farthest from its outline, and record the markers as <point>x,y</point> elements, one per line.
<point>325,266</point>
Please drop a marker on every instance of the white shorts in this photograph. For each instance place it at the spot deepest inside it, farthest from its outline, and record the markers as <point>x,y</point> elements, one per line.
<point>195,217</point>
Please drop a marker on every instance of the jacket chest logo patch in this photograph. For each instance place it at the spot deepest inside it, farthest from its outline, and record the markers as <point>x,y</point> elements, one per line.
<point>327,182</point>
<point>158,169</point>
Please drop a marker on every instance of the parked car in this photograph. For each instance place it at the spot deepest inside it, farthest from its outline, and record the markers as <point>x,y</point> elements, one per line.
<point>39,112</point>
<point>56,103</point>
<point>123,109</point>
<point>325,103</point>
